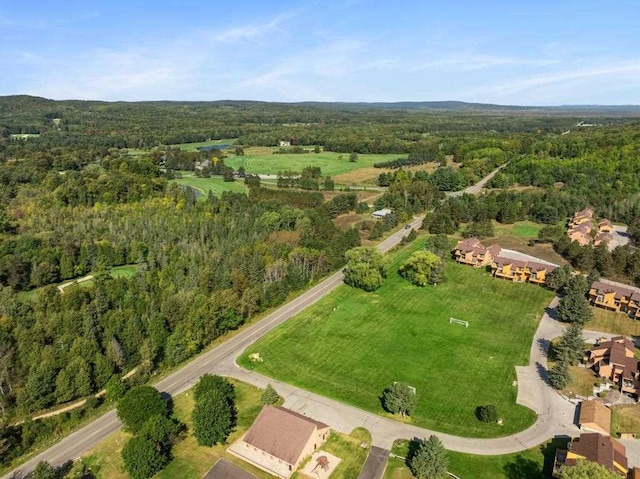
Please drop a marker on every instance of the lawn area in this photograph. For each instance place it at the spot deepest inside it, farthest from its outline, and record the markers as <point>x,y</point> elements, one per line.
<point>190,460</point>
<point>532,463</point>
<point>351,345</point>
<point>612,322</point>
<point>625,419</point>
<point>521,229</point>
<point>349,450</point>
<point>329,162</point>
<point>215,183</point>
<point>183,146</point>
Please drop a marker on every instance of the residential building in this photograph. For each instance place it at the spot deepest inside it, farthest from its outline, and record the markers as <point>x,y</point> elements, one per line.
<point>594,447</point>
<point>379,214</point>
<point>615,297</point>
<point>279,440</point>
<point>520,270</point>
<point>583,230</point>
<point>284,144</point>
<point>614,360</point>
<point>471,251</point>
<point>595,417</point>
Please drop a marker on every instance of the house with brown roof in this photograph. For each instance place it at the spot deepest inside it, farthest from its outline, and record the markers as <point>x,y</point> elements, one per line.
<point>581,233</point>
<point>614,360</point>
<point>594,447</point>
<point>602,238</point>
<point>595,417</point>
<point>605,226</point>
<point>582,216</point>
<point>615,297</point>
<point>471,251</point>
<point>521,271</point>
<point>279,440</point>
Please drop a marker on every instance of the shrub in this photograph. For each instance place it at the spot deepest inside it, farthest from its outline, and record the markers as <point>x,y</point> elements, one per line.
<point>488,413</point>
<point>269,395</point>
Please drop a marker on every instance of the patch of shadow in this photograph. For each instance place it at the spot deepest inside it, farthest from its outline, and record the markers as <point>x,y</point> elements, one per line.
<point>523,468</point>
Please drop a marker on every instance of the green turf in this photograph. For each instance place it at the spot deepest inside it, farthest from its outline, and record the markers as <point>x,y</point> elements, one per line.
<point>522,229</point>
<point>352,344</point>
<point>330,163</point>
<point>534,463</point>
<point>215,183</point>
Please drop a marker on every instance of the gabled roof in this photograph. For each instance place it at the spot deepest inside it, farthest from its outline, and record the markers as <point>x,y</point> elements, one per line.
<point>605,222</point>
<point>598,448</point>
<point>585,213</point>
<point>282,433</point>
<point>620,291</point>
<point>594,412</point>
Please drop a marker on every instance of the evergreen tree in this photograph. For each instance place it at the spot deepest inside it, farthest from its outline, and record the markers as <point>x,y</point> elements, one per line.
<point>559,375</point>
<point>399,398</point>
<point>574,308</point>
<point>429,461</point>
<point>570,346</point>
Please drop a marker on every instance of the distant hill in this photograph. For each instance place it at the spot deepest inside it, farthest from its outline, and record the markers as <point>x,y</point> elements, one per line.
<point>26,102</point>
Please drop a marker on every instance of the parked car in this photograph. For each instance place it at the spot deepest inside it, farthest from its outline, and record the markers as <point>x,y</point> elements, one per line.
<point>407,226</point>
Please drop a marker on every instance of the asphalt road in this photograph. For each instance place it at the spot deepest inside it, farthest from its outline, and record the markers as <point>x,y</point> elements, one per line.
<point>79,442</point>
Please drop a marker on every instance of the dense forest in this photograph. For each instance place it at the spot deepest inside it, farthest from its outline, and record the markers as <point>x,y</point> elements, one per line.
<point>74,202</point>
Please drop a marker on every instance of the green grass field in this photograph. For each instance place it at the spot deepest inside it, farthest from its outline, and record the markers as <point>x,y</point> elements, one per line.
<point>534,463</point>
<point>351,345</point>
<point>216,184</point>
<point>521,229</point>
<point>330,163</point>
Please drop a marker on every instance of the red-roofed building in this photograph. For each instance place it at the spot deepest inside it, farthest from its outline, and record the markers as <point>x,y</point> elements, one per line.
<point>594,447</point>
<point>279,440</point>
<point>472,252</point>
<point>615,360</point>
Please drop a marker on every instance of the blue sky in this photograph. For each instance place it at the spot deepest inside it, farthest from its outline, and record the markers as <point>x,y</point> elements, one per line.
<point>508,52</point>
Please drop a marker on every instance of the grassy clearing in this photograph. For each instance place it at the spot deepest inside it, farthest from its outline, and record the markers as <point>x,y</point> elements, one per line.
<point>625,419</point>
<point>329,162</point>
<point>582,382</point>
<point>125,271</point>
<point>612,322</point>
<point>520,229</point>
<point>534,463</point>
<point>190,460</point>
<point>351,345</point>
<point>215,183</point>
<point>183,146</point>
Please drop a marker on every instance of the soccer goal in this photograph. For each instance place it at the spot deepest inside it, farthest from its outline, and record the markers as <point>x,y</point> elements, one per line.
<point>459,321</point>
<point>411,388</point>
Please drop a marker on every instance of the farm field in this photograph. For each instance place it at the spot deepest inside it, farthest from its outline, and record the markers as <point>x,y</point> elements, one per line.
<point>351,345</point>
<point>534,463</point>
<point>215,183</point>
<point>330,163</point>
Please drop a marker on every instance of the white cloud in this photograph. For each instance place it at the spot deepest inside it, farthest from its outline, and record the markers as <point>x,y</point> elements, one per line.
<point>466,61</point>
<point>621,71</point>
<point>248,32</point>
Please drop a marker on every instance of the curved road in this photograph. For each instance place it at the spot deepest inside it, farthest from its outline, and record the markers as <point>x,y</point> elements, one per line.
<point>223,357</point>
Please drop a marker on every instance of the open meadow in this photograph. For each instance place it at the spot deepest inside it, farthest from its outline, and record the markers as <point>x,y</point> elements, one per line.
<point>351,345</point>
<point>265,162</point>
<point>215,184</point>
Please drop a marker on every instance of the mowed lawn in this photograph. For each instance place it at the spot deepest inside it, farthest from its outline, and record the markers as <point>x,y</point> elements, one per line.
<point>216,184</point>
<point>330,163</point>
<point>351,345</point>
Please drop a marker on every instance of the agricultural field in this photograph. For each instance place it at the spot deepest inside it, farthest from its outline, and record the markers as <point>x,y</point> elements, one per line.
<point>215,184</point>
<point>534,463</point>
<point>351,345</point>
<point>263,161</point>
